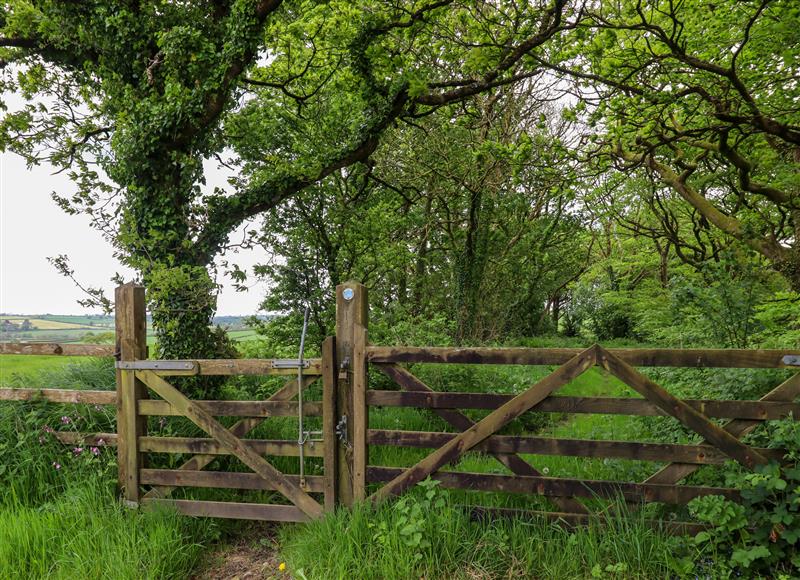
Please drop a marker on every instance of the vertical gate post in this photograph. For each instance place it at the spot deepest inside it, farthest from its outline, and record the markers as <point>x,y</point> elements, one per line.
<point>131,340</point>
<point>352,318</point>
<point>330,374</point>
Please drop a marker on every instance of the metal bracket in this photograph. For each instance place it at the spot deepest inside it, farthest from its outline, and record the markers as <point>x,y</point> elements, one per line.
<point>792,360</point>
<point>290,363</point>
<point>157,365</point>
<point>341,430</point>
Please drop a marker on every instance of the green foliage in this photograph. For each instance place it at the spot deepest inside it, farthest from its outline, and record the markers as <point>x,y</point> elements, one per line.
<point>761,535</point>
<point>86,533</point>
<point>384,541</point>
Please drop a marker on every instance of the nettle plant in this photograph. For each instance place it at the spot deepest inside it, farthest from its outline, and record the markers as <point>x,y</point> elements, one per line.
<point>414,521</point>
<point>760,534</point>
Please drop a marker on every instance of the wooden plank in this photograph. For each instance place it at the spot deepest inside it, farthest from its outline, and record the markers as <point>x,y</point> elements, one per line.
<point>240,366</point>
<point>253,460</point>
<point>461,422</point>
<point>220,479</point>
<point>60,396</point>
<point>329,378</point>
<point>234,510</point>
<point>560,486</point>
<point>687,415</point>
<point>207,446</point>
<point>758,410</point>
<point>96,439</point>
<point>360,413</point>
<point>52,348</point>
<point>649,357</point>
<point>789,390</point>
<point>352,311</point>
<point>695,454</point>
<point>239,429</point>
<point>131,334</point>
<point>234,408</point>
<point>456,447</point>
<point>568,520</point>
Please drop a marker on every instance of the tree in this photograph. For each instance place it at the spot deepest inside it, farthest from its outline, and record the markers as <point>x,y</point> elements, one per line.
<point>703,98</point>
<point>132,98</point>
<point>465,217</point>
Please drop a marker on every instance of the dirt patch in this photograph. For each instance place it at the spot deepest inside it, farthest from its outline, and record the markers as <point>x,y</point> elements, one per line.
<point>253,555</point>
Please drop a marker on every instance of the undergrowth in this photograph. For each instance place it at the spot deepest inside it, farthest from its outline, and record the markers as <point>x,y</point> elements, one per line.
<point>424,535</point>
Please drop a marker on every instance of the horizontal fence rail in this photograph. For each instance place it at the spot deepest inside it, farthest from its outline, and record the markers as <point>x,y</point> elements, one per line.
<point>641,357</point>
<point>759,410</point>
<point>52,348</point>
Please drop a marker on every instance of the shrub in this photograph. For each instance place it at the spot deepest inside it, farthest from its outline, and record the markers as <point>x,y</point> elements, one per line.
<point>760,535</point>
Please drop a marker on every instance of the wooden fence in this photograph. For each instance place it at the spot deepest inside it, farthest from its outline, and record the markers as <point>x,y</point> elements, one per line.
<point>346,434</point>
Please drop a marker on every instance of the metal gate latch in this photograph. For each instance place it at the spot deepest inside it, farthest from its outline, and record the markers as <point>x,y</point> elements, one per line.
<point>341,430</point>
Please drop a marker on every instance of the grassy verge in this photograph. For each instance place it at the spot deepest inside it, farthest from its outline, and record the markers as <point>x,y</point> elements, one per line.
<point>424,536</point>
<point>59,515</point>
<point>85,533</point>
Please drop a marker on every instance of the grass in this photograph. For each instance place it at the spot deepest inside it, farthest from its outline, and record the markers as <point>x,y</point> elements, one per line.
<point>59,515</point>
<point>381,542</point>
<point>86,533</point>
<point>17,369</point>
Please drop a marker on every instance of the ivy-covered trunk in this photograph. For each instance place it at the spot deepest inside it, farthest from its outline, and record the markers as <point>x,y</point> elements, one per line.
<point>158,239</point>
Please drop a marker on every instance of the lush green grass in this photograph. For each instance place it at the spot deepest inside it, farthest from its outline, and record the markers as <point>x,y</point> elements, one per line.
<point>86,533</point>
<point>15,369</point>
<point>59,515</point>
<point>421,537</point>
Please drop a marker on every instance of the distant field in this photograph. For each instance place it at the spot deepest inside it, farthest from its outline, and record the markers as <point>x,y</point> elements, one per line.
<point>50,324</point>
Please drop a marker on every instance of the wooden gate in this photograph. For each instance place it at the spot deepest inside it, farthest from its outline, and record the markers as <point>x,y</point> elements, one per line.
<point>139,378</point>
<point>719,443</point>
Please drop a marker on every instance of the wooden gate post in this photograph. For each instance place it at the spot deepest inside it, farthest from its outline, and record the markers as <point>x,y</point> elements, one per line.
<point>352,318</point>
<point>131,339</point>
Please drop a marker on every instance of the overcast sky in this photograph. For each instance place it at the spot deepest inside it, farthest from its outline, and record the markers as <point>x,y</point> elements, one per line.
<point>32,227</point>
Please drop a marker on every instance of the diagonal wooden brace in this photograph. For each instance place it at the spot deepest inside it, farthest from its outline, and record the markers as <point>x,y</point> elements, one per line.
<point>494,421</point>
<point>689,416</point>
<point>788,390</point>
<point>233,444</point>
<point>460,421</point>
<point>239,429</point>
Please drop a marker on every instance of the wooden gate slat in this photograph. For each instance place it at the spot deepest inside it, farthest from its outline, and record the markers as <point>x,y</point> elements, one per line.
<point>253,460</point>
<point>234,510</point>
<point>497,419</point>
<point>238,429</point>
<point>787,391</point>
<point>594,448</point>
<point>687,415</point>
<point>457,419</point>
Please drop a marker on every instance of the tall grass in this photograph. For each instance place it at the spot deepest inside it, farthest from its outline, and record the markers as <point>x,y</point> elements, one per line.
<point>373,542</point>
<point>85,533</point>
<point>59,512</point>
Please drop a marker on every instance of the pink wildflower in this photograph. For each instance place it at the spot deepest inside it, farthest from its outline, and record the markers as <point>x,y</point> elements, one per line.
<point>95,451</point>
<point>78,450</point>
<point>57,465</point>
<point>48,429</point>
<point>101,441</point>
<point>66,420</point>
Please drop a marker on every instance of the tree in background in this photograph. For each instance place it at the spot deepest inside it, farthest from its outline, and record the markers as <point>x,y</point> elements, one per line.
<point>131,100</point>
<point>703,98</point>
<point>465,217</point>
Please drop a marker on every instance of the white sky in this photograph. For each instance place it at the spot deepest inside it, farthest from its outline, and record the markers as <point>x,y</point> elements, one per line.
<point>32,227</point>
